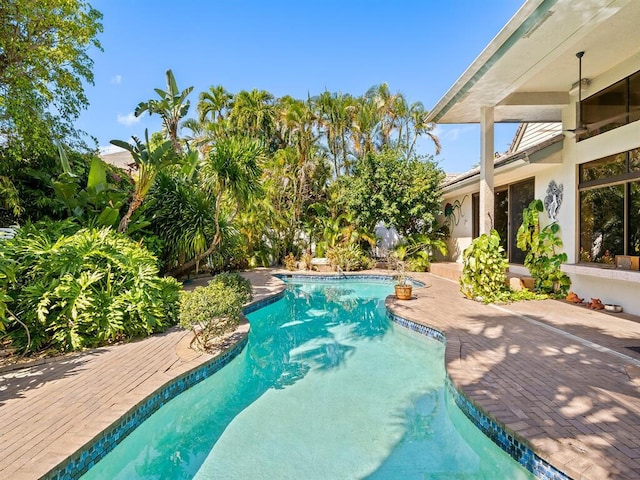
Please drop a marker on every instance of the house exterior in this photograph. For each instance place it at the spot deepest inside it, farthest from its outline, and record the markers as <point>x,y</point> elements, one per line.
<point>116,156</point>
<point>582,158</point>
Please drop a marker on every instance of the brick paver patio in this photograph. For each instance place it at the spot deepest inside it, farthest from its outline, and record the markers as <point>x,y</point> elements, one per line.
<point>559,376</point>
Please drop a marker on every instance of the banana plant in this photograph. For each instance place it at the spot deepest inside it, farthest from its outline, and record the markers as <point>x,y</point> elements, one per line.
<point>172,106</point>
<point>149,160</point>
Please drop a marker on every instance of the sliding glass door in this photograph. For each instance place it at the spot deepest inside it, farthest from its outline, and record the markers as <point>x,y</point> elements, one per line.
<point>509,202</point>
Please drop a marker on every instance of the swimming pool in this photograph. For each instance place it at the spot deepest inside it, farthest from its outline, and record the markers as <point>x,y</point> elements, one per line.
<point>327,387</point>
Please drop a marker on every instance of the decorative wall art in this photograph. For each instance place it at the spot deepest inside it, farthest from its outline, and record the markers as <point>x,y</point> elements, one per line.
<point>453,212</point>
<point>553,200</point>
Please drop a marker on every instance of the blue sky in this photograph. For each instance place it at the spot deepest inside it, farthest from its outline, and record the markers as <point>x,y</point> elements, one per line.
<point>418,47</point>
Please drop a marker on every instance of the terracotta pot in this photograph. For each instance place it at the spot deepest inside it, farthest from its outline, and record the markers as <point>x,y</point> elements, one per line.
<point>403,292</point>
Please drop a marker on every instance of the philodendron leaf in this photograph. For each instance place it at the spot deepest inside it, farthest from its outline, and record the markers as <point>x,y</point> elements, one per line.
<point>108,217</point>
<point>97,174</point>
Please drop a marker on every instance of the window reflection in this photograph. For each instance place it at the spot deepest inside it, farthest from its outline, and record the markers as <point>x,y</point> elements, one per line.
<point>634,219</point>
<point>501,218</point>
<point>602,224</point>
<point>634,160</point>
<point>607,167</point>
<point>634,97</point>
<point>616,105</point>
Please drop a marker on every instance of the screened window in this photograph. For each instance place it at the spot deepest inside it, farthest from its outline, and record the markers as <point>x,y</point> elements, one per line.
<point>610,207</point>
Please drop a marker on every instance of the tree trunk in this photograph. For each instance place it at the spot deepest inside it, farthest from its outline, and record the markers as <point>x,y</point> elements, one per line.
<point>185,267</point>
<point>124,223</point>
<point>217,238</point>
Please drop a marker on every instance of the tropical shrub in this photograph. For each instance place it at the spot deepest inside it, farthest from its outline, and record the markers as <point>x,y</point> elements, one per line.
<point>306,260</point>
<point>214,310</point>
<point>484,270</point>
<point>84,289</point>
<point>237,282</point>
<point>417,250</point>
<point>290,262</point>
<point>348,258</point>
<point>542,260</point>
<point>419,262</point>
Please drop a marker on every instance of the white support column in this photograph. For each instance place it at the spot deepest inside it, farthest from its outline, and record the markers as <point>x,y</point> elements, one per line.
<point>486,170</point>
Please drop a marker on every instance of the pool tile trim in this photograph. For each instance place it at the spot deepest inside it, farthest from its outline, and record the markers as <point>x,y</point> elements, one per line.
<point>354,277</point>
<point>91,453</point>
<point>515,447</point>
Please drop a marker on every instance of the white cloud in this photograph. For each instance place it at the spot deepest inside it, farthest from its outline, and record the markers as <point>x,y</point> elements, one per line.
<point>117,79</point>
<point>453,134</point>
<point>128,119</point>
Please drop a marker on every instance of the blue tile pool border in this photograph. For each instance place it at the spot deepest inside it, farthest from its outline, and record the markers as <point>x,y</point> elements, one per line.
<point>87,456</point>
<point>353,277</point>
<point>516,448</point>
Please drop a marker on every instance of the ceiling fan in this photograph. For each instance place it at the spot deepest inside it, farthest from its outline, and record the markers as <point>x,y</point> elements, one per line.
<point>580,127</point>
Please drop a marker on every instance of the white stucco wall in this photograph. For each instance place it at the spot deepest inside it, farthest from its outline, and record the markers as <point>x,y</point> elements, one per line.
<point>461,233</point>
<point>388,238</point>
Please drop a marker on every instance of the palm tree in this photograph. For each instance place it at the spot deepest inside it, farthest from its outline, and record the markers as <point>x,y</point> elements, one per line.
<point>383,101</point>
<point>365,126</point>
<point>334,121</point>
<point>214,103</point>
<point>172,107</point>
<point>229,172</point>
<point>253,113</point>
<point>421,126</point>
<point>149,161</point>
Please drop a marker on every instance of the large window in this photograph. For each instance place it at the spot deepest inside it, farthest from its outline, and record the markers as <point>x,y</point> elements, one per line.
<point>610,207</point>
<point>612,107</point>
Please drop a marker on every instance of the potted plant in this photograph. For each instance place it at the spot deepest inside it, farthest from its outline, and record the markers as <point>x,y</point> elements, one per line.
<point>403,286</point>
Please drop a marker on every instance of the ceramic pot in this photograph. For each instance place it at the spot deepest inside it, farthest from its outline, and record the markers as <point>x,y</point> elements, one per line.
<point>403,292</point>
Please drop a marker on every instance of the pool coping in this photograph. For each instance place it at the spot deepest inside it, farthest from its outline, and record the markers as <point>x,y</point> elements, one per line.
<point>77,464</point>
<point>515,446</point>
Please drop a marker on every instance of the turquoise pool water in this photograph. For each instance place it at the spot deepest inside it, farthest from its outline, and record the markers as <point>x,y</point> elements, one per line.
<point>327,388</point>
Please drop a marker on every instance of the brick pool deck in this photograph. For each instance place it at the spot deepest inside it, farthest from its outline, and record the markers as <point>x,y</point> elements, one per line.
<point>559,376</point>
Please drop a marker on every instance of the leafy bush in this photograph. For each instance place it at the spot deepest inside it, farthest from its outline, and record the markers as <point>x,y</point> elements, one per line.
<point>484,273</point>
<point>401,191</point>
<point>306,259</point>
<point>484,269</point>
<point>237,282</point>
<point>84,289</point>
<point>418,250</point>
<point>419,262</point>
<point>348,258</point>
<point>542,260</point>
<point>214,310</point>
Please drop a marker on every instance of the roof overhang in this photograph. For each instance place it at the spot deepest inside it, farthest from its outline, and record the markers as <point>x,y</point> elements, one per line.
<point>540,154</point>
<point>529,69</point>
